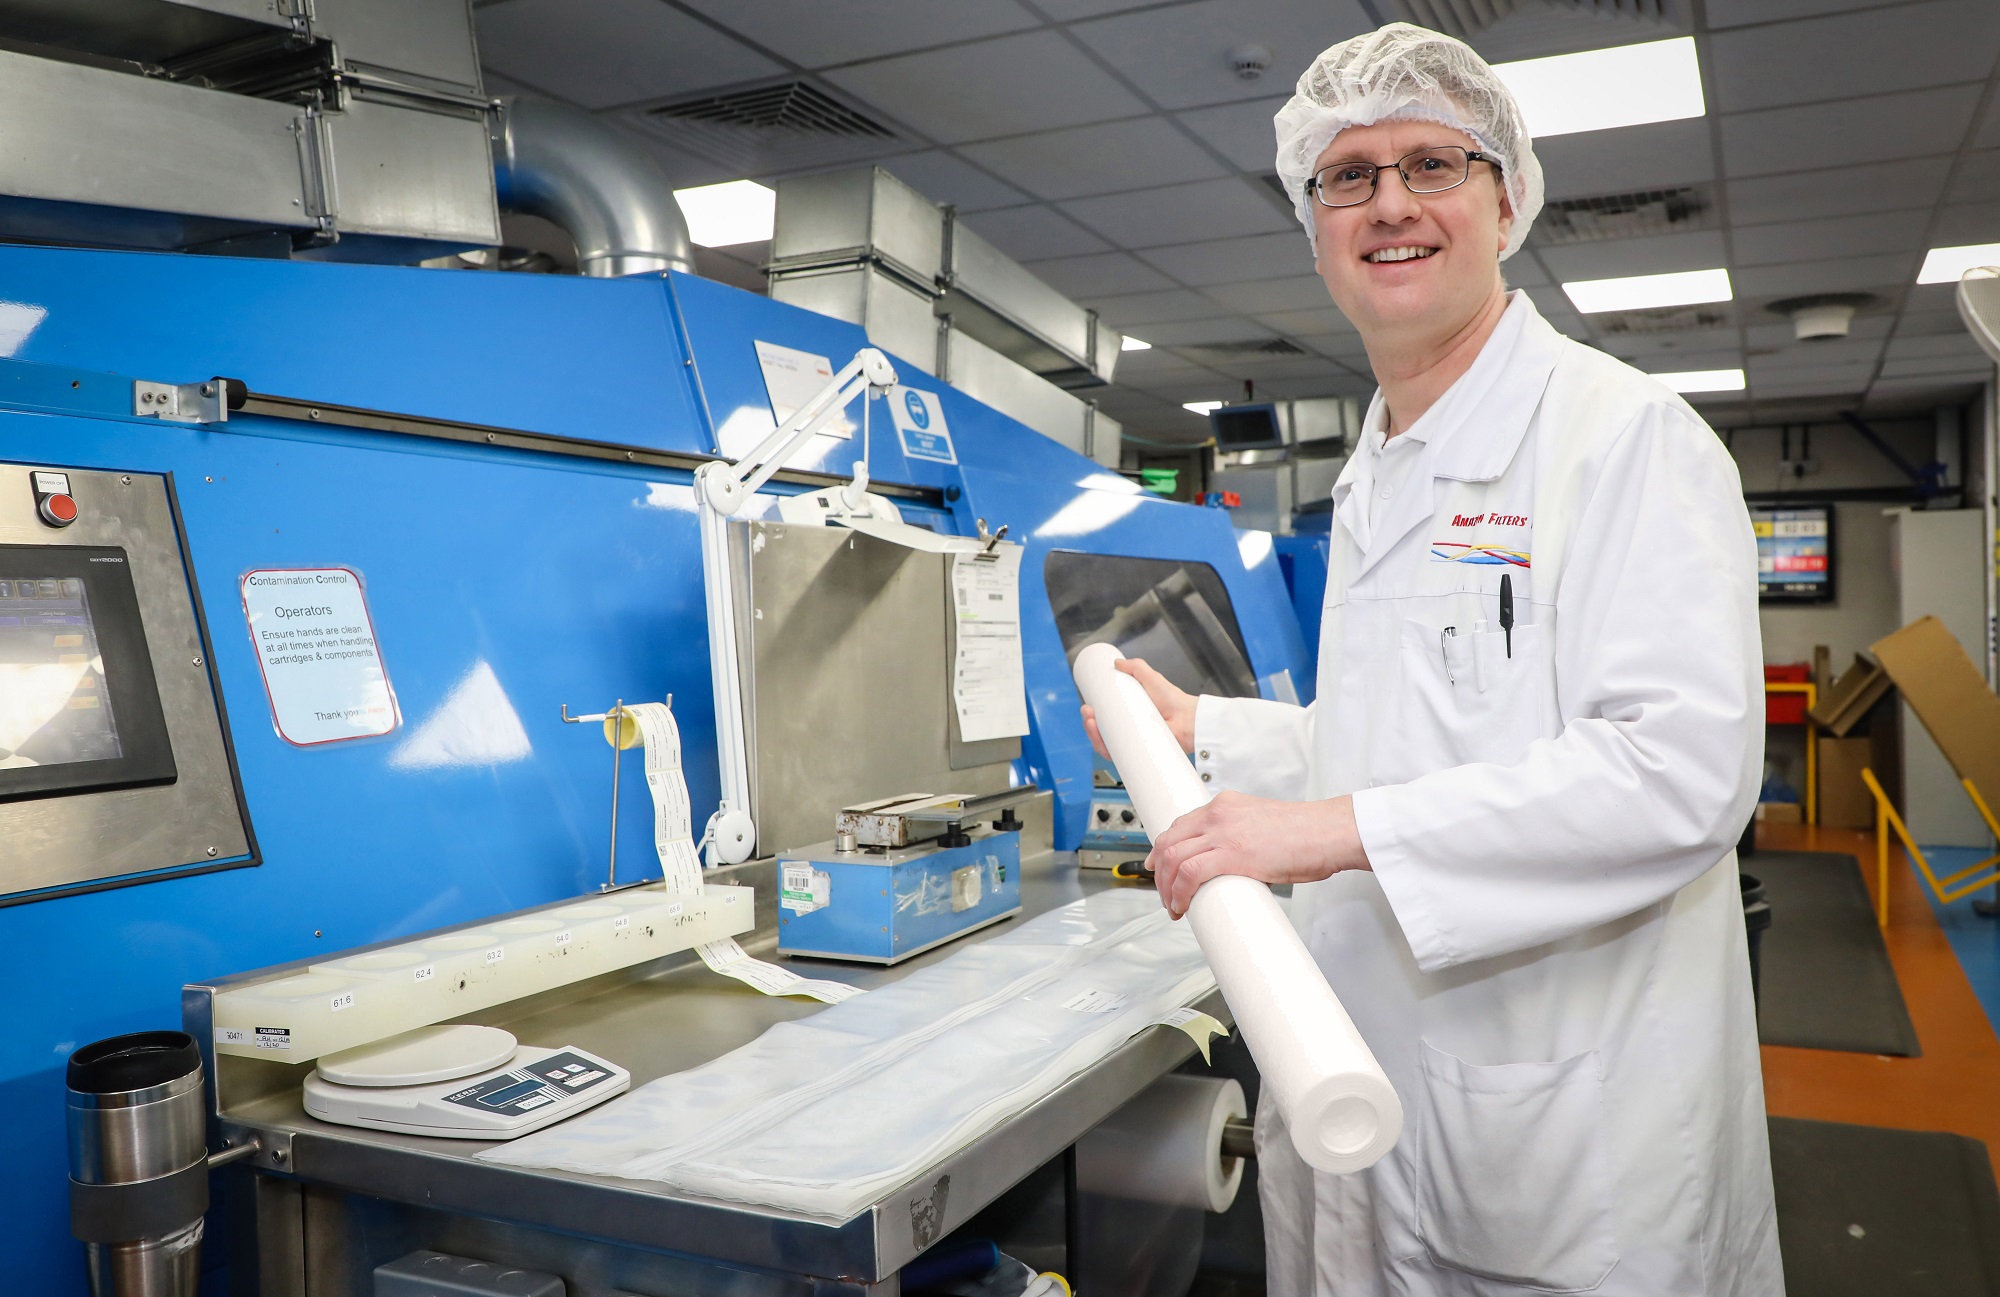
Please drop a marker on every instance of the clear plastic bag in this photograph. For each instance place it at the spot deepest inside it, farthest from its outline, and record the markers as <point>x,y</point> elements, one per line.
<point>823,1115</point>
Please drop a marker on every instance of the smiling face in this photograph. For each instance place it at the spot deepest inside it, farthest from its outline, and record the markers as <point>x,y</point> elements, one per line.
<point>1406,266</point>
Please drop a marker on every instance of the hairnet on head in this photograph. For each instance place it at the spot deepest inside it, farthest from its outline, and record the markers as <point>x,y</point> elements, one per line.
<point>1406,73</point>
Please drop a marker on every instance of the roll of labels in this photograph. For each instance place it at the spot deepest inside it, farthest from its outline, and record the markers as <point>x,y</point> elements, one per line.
<point>680,859</point>
<point>1342,1112</point>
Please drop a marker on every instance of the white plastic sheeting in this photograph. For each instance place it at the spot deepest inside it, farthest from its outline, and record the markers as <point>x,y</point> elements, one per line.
<point>824,1115</point>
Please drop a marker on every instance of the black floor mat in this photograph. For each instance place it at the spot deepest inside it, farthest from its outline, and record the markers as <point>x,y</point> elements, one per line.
<point>1827,981</point>
<point>1867,1212</point>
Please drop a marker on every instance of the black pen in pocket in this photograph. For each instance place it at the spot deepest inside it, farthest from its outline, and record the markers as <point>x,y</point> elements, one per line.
<point>1507,610</point>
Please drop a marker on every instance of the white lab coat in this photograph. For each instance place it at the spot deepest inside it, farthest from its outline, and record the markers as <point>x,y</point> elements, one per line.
<point>1549,956</point>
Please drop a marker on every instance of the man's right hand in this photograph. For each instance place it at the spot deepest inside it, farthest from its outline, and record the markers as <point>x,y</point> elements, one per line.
<point>1175,704</point>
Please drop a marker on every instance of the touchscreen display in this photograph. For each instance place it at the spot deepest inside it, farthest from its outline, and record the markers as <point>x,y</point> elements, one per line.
<point>55,708</point>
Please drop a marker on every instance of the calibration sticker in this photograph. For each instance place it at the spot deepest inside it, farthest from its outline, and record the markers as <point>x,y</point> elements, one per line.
<point>279,1038</point>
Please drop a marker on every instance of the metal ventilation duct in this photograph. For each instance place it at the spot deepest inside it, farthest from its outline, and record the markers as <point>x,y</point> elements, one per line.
<point>354,127</point>
<point>566,166</point>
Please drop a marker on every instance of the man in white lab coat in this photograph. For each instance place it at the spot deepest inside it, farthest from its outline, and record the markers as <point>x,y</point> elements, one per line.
<point>1509,814</point>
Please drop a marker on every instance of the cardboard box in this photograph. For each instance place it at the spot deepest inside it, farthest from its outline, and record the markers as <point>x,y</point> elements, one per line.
<point>1949,695</point>
<point>1858,689</point>
<point>1844,801</point>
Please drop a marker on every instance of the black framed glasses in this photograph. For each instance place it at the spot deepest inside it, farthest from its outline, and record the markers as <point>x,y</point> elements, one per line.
<point>1427,171</point>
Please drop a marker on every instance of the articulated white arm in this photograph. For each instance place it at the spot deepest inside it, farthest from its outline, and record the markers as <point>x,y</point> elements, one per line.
<point>720,490</point>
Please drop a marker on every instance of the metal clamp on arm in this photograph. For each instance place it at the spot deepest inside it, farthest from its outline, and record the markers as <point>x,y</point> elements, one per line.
<point>720,490</point>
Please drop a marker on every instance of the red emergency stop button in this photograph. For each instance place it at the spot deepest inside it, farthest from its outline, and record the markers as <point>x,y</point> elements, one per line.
<point>58,510</point>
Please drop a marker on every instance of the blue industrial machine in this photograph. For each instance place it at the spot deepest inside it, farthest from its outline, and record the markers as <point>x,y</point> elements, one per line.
<point>504,465</point>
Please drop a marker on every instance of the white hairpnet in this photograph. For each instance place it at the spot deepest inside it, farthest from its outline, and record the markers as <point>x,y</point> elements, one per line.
<point>1406,73</point>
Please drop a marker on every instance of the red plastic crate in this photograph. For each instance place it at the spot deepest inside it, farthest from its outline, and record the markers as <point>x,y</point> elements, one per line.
<point>1786,708</point>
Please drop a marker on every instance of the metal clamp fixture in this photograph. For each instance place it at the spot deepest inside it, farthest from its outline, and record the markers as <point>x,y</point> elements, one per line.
<point>203,402</point>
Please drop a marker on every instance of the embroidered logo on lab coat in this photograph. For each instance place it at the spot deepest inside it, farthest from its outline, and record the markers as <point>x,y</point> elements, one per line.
<point>1479,539</point>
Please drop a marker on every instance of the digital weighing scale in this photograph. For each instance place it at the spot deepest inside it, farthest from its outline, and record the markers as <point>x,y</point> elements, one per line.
<point>459,1081</point>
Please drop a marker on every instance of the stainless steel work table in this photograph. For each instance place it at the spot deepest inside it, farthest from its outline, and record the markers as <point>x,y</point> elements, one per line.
<point>659,1019</point>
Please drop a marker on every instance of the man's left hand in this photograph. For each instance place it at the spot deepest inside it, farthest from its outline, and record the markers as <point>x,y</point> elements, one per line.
<point>1271,841</point>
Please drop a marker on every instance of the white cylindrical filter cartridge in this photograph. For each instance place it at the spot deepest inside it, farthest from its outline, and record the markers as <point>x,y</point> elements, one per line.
<point>1342,1112</point>
<point>1165,1146</point>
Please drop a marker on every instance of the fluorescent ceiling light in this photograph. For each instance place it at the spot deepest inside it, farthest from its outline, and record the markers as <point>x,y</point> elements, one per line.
<point>1704,380</point>
<point>1201,407</point>
<point>1641,292</point>
<point>1134,344</point>
<point>1629,85</point>
<point>1948,265</point>
<point>741,211</point>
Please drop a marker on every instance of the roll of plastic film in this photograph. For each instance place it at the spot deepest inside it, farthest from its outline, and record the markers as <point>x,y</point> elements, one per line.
<point>1166,1146</point>
<point>1341,1110</point>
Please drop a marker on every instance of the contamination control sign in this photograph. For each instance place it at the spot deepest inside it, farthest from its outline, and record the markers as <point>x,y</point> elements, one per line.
<point>316,648</point>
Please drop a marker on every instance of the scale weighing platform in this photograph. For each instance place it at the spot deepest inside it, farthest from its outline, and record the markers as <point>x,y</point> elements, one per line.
<point>459,1081</point>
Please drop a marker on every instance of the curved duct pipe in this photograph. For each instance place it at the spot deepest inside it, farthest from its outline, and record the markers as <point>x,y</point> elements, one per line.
<point>566,166</point>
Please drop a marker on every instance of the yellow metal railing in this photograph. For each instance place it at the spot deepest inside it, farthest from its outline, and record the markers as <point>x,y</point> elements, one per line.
<point>1951,886</point>
<point>1811,691</point>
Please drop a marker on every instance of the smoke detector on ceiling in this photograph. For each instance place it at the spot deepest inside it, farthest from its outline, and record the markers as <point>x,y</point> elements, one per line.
<point>1250,61</point>
<point>1822,316</point>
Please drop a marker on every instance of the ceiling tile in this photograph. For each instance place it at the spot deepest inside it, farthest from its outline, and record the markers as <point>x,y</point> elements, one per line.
<point>1962,223</point>
<point>1522,270</point>
<point>1139,309</point>
<point>1180,55</point>
<point>1141,367</point>
<point>988,94</point>
<point>1687,361</point>
<point>1653,156</point>
<point>1867,52</point>
<point>1100,159</point>
<point>1326,322</point>
<point>1655,255</point>
<point>1842,191</point>
<point>1536,31</point>
<point>1937,344</point>
<point>1737,13</point>
<point>1292,293</point>
<point>815,34</point>
<point>1243,132</point>
<point>1908,392</point>
<point>1847,275</point>
<point>1344,347</point>
<point>1824,352</point>
<point>1071,10</point>
<point>1224,261</point>
<point>1098,275</point>
<point>1262,368</point>
<point>1846,236</point>
<point>943,178</point>
<point>1675,351</point>
<point>1034,231</point>
<point>1970,368</point>
<point>1779,334</point>
<point>1203,209</point>
<point>600,53</point>
<point>1198,333</point>
<point>1978,178</point>
<point>1875,129</point>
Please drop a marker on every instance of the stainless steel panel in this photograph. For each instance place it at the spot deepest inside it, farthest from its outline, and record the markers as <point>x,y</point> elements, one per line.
<point>993,279</point>
<point>429,38</point>
<point>862,214</point>
<point>76,134</point>
<point>985,375</point>
<point>413,174</point>
<point>144,31</point>
<point>848,694</point>
<point>196,820</point>
<point>896,317</point>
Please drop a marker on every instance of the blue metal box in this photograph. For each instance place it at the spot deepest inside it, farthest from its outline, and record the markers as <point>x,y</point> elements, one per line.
<point>882,906</point>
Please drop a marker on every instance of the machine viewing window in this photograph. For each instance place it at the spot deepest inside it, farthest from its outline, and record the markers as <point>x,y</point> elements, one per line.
<point>79,708</point>
<point>1794,552</point>
<point>1175,614</point>
<point>1246,427</point>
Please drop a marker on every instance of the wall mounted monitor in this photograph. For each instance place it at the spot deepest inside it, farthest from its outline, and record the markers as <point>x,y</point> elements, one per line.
<point>79,706</point>
<point>1795,557</point>
<point>1246,427</point>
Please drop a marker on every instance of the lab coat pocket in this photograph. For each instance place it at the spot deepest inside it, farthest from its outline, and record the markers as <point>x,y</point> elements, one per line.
<point>1512,1182</point>
<point>1469,699</point>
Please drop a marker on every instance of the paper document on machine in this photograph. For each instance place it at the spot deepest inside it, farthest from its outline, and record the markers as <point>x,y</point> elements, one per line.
<point>680,863</point>
<point>987,683</point>
<point>827,1114</point>
<point>792,378</point>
